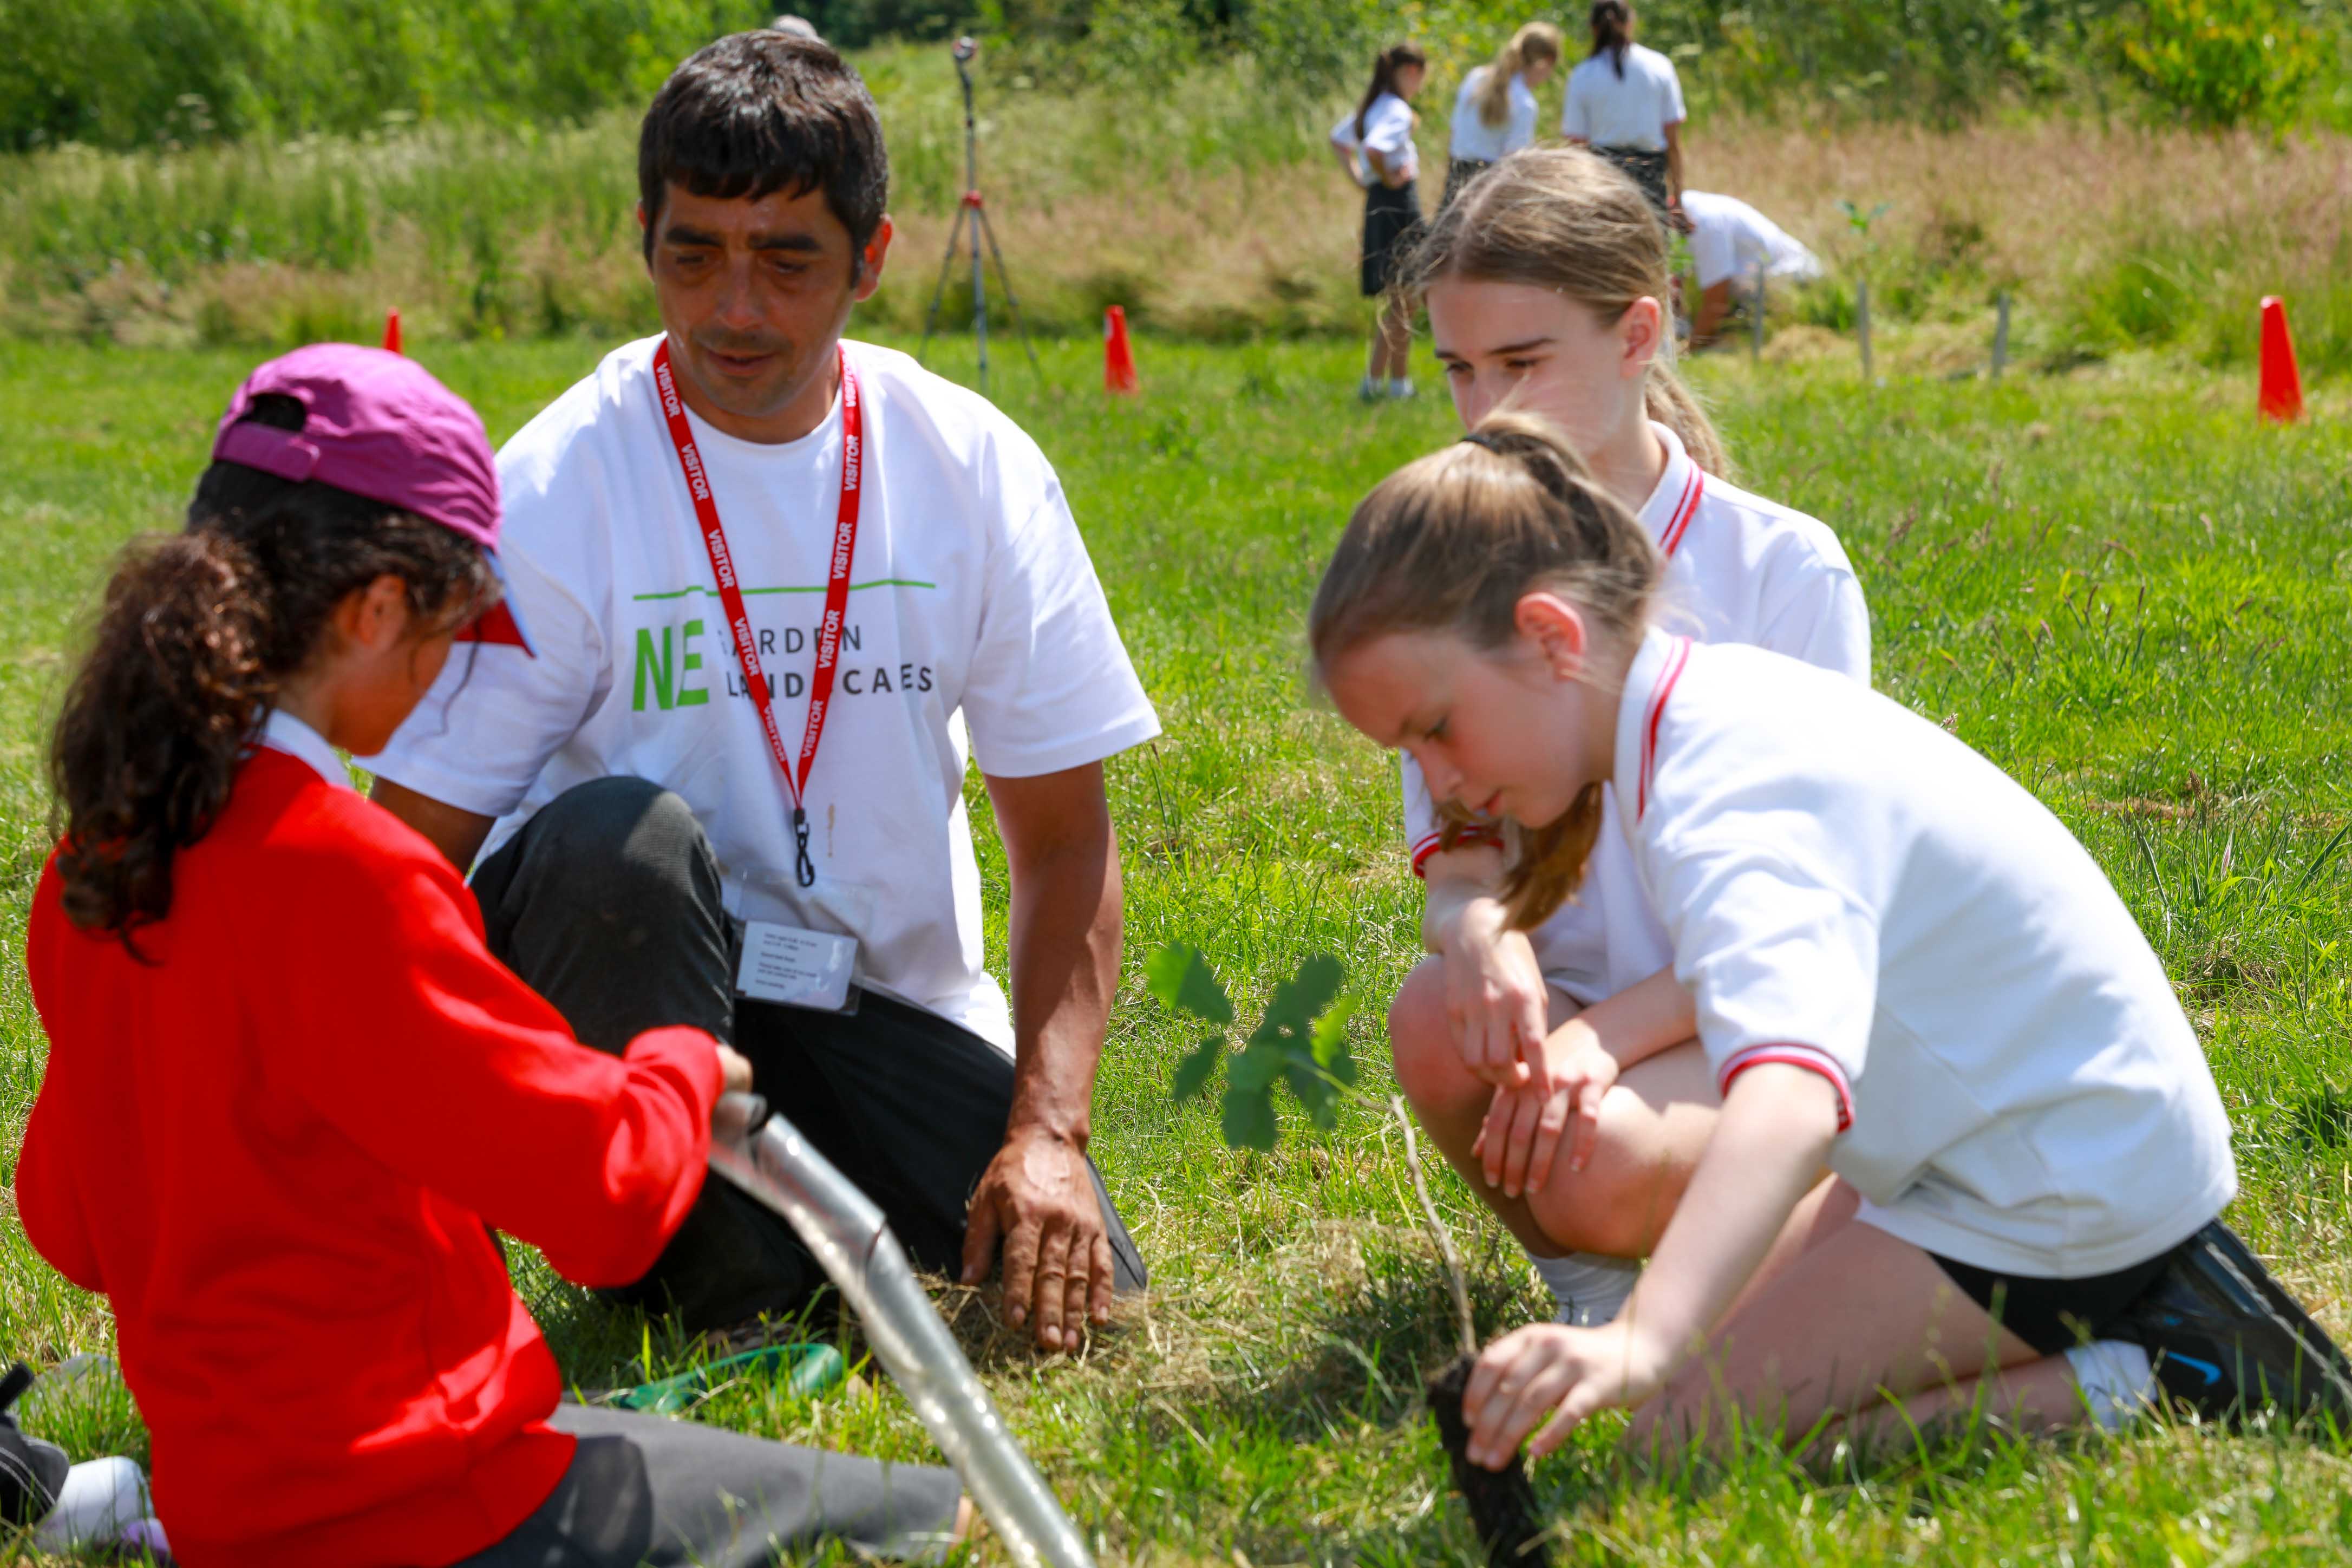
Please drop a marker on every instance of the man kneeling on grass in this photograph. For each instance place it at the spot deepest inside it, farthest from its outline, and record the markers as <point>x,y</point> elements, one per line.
<point>783,587</point>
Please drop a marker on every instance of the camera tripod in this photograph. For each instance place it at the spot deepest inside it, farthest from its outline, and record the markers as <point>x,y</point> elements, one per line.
<point>973,211</point>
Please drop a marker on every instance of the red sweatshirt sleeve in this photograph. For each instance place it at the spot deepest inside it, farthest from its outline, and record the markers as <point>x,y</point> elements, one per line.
<point>50,1209</point>
<point>47,1204</point>
<point>405,1033</point>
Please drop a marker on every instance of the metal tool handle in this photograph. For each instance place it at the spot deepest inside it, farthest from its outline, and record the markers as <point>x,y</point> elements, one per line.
<point>767,1157</point>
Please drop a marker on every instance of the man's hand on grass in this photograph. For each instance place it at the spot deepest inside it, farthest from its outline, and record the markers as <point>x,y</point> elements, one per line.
<point>1037,1198</point>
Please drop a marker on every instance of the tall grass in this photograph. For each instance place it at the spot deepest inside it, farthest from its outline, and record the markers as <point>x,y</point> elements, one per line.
<point>1206,205</point>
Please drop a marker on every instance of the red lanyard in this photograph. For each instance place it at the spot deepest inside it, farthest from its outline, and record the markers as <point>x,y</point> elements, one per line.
<point>731,593</point>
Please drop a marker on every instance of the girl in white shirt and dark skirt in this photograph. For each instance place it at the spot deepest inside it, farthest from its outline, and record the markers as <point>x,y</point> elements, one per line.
<point>1495,113</point>
<point>1899,965</point>
<point>1375,146</point>
<point>1625,103</point>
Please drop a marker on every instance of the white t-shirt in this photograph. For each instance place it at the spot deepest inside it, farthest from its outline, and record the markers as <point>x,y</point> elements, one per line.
<point>1632,110</point>
<point>1475,139</point>
<point>1388,130</point>
<point>1851,888</point>
<point>1730,238</point>
<point>1738,569</point>
<point>972,602</point>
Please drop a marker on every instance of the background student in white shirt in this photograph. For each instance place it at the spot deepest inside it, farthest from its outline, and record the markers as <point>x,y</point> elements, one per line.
<point>1733,248</point>
<point>1495,112</point>
<point>637,838</point>
<point>1375,146</point>
<point>1625,103</point>
<point>1901,965</point>
<point>1546,288</point>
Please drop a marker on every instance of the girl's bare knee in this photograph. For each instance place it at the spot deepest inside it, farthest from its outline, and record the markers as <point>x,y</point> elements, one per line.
<point>1420,1042</point>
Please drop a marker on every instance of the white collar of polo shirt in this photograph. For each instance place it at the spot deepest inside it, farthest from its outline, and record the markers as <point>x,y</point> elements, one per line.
<point>286,733</point>
<point>1674,501</point>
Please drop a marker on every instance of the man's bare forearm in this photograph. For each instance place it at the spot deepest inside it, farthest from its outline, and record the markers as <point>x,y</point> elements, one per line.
<point>1066,922</point>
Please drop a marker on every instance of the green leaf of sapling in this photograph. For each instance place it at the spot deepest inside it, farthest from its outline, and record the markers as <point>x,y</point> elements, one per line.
<point>1249,1116</point>
<point>1193,1073</point>
<point>1291,1015</point>
<point>1252,1071</point>
<point>1313,1089</point>
<point>1182,980</point>
<point>1329,1040</point>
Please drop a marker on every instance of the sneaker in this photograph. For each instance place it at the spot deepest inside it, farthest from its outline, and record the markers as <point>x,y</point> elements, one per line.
<point>2227,1339</point>
<point>1368,390</point>
<point>1400,389</point>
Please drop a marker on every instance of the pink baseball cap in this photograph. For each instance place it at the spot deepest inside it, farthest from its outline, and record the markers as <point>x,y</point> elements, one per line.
<point>379,426</point>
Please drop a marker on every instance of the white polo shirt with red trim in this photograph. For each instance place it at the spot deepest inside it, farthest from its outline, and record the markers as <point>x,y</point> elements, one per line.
<point>1849,888</point>
<point>1738,569</point>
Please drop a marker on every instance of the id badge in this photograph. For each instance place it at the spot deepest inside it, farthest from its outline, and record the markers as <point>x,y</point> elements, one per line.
<point>796,967</point>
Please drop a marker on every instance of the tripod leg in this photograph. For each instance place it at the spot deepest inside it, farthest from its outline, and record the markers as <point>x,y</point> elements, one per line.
<point>939,292</point>
<point>1004,279</point>
<point>979,295</point>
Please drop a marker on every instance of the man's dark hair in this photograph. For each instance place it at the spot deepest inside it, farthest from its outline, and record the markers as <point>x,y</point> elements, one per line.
<point>764,111</point>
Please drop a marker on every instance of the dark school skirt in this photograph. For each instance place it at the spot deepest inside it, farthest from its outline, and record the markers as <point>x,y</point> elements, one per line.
<point>1459,172</point>
<point>1645,168</point>
<point>1392,228</point>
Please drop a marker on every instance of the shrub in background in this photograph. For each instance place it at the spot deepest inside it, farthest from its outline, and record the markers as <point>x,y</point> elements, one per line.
<point>2222,63</point>
<point>131,73</point>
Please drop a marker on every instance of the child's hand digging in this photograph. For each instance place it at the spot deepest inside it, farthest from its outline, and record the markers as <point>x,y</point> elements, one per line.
<point>734,1071</point>
<point>1550,1370</point>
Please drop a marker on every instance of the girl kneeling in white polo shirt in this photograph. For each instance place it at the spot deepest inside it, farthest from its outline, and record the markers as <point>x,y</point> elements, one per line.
<point>1904,968</point>
<point>1546,287</point>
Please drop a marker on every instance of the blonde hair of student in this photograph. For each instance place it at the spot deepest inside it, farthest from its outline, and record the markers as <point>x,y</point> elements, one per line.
<point>1564,219</point>
<point>1452,542</point>
<point>1535,44</point>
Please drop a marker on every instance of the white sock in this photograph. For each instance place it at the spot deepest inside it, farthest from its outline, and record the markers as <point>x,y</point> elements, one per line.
<point>101,1499</point>
<point>1591,1288</point>
<point>2117,1380</point>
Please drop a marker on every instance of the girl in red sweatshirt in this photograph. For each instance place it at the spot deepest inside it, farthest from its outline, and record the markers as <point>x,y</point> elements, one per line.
<point>288,1090</point>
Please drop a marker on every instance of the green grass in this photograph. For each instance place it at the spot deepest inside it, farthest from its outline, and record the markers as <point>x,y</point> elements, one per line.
<point>2116,585</point>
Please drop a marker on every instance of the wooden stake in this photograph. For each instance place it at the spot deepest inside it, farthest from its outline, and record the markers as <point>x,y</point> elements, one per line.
<point>2000,332</point>
<point>1756,327</point>
<point>1861,322</point>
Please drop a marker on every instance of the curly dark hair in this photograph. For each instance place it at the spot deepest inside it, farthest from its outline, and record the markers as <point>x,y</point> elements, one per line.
<point>198,632</point>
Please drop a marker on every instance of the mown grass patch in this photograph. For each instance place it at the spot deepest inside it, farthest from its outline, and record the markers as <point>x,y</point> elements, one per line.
<point>2115,585</point>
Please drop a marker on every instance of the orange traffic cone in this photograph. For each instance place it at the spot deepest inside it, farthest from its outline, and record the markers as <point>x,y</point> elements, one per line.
<point>392,331</point>
<point>2281,399</point>
<point>1119,358</point>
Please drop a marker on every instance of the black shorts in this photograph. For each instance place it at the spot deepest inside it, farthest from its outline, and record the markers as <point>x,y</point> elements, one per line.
<point>1392,228</point>
<point>2054,1315</point>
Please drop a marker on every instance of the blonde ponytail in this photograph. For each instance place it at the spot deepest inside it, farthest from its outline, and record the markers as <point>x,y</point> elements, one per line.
<point>1536,41</point>
<point>1563,219</point>
<point>1451,543</point>
<point>1671,402</point>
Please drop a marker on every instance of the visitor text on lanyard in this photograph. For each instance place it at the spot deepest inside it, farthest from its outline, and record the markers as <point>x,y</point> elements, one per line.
<point>730,592</point>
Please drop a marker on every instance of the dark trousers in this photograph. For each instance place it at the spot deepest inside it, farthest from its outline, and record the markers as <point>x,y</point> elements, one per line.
<point>608,904</point>
<point>645,1492</point>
